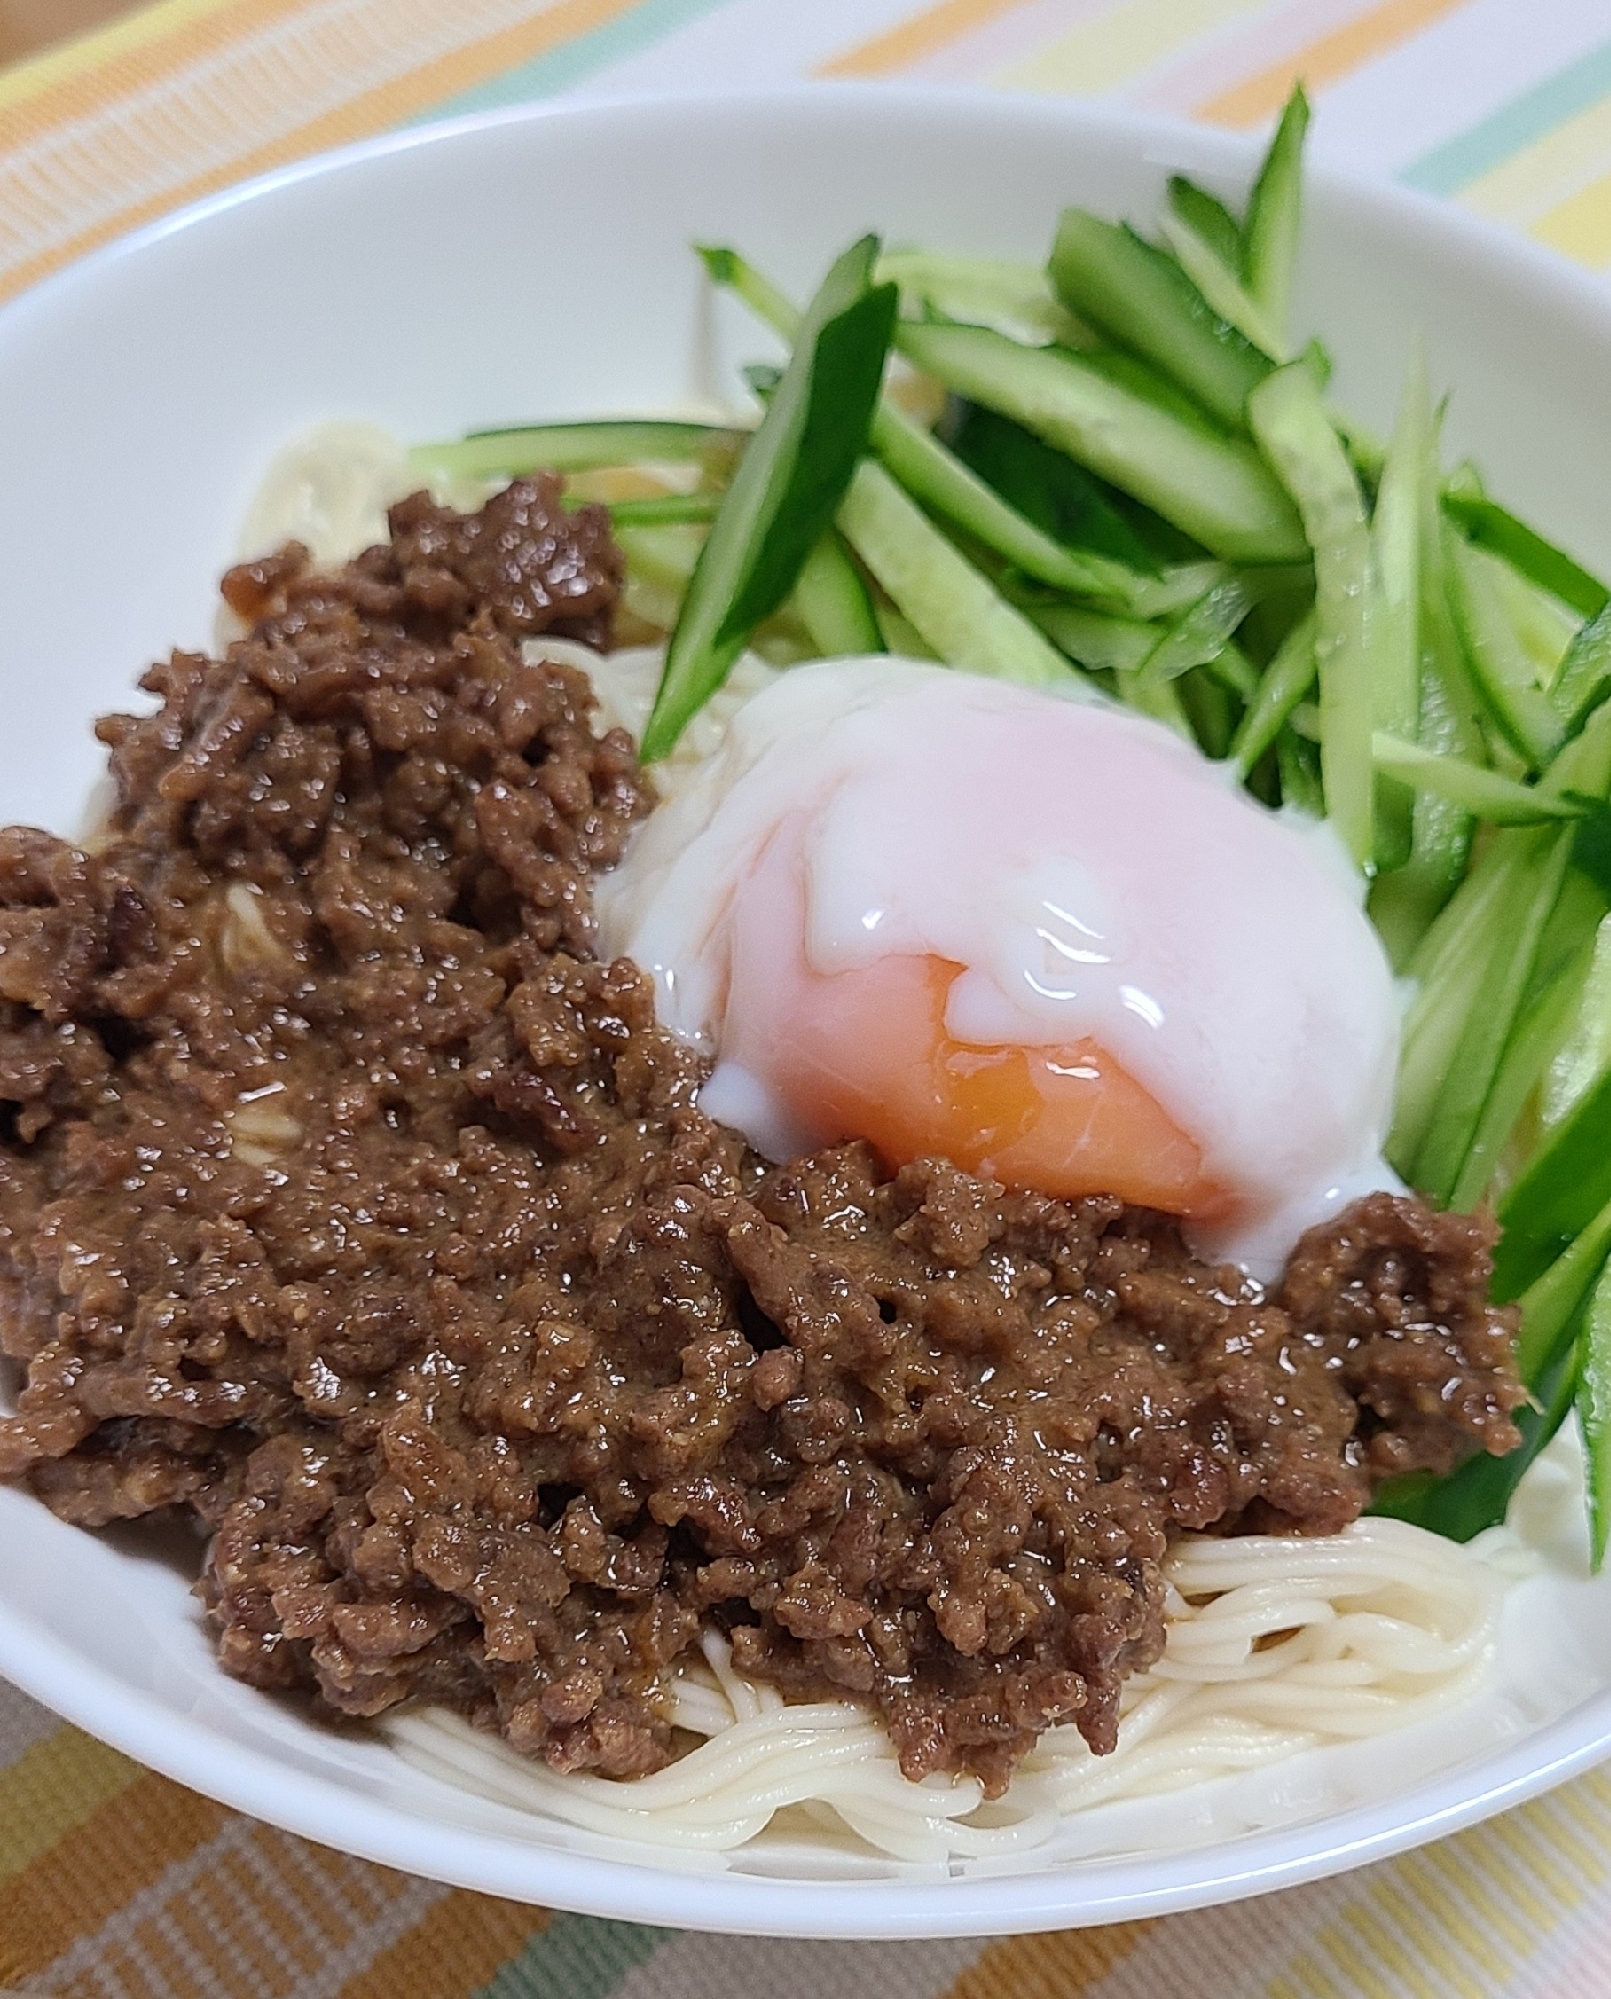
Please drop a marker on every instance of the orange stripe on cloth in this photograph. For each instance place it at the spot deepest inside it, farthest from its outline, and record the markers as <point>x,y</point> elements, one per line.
<point>1056,1965</point>
<point>451,1951</point>
<point>234,114</point>
<point>148,49</point>
<point>1327,60</point>
<point>53,1787</point>
<point>249,1910</point>
<point>83,1878</point>
<point>921,36</point>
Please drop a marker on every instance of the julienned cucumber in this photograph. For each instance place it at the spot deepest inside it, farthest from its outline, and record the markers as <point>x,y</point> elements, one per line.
<point>1146,302</point>
<point>938,478</point>
<point>1222,289</point>
<point>1290,423</point>
<point>785,490</point>
<point>1494,527</point>
<point>833,603</point>
<point>954,609</point>
<point>1215,489</point>
<point>1395,610</point>
<point>1156,503</point>
<point>1506,676</point>
<point>1208,216</point>
<point>1501,800</point>
<point>578,447</point>
<point>1274,210</point>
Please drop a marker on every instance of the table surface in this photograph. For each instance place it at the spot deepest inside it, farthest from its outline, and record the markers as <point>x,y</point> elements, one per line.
<point>27,26</point>
<point>118,1884</point>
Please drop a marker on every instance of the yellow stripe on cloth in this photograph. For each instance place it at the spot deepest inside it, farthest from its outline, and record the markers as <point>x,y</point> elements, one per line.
<point>1580,227</point>
<point>146,49</point>
<point>277,80</point>
<point>933,29</point>
<point>1107,51</point>
<point>1401,1936</point>
<point>1548,173</point>
<point>94,54</point>
<point>88,1873</point>
<point>1324,61</point>
<point>246,1910</point>
<point>52,1788</point>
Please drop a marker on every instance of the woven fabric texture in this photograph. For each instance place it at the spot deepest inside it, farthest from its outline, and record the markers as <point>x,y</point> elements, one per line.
<point>115,1884</point>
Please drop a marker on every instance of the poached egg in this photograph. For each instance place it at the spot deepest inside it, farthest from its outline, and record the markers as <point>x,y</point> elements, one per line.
<point>1044,938</point>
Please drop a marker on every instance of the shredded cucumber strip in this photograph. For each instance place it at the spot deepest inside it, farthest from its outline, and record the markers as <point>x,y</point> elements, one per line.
<point>1274,212</point>
<point>578,447</point>
<point>1213,488</point>
<point>1015,299</point>
<point>833,604</point>
<point>1222,289</point>
<point>1594,1411</point>
<point>1287,679</point>
<point>1550,1302</point>
<point>1209,218</point>
<point>1502,801</point>
<point>954,609</point>
<point>1395,650</point>
<point>1585,676</point>
<point>940,480</point>
<point>1450,968</point>
<point>1290,423</point>
<point>1506,675</point>
<point>1485,1031</point>
<point>1095,640</point>
<point>1541,1019</point>
<point>1144,300</point>
<point>784,491</point>
<point>1405,903</point>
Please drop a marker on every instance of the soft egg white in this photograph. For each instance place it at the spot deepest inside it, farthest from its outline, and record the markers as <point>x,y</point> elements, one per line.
<point>1090,912</point>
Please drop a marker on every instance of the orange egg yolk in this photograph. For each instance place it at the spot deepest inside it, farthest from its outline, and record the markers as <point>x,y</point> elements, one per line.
<point>865,1054</point>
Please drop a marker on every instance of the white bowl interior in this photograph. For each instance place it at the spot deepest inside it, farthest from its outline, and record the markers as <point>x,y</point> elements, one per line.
<point>537,266</point>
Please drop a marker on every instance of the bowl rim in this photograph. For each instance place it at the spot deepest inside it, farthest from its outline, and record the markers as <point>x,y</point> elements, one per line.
<point>1072,1894</point>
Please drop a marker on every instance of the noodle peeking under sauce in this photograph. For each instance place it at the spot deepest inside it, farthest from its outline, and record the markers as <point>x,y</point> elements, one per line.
<point>1275,1645</point>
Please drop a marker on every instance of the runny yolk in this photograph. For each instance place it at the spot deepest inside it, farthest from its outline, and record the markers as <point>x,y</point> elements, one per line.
<point>865,1054</point>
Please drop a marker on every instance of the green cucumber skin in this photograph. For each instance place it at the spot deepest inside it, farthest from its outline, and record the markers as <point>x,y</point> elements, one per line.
<point>1209,216</point>
<point>1494,527</point>
<point>1274,212</point>
<point>833,603</point>
<point>1145,301</point>
<point>1216,489</point>
<point>576,447</point>
<point>935,476</point>
<point>955,610</point>
<point>1562,1189</point>
<point>1296,435</point>
<point>784,493</point>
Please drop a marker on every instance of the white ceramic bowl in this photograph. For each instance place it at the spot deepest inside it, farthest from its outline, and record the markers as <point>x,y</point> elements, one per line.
<point>537,265</point>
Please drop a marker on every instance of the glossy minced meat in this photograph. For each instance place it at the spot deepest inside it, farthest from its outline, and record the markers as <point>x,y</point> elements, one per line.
<point>348,1203</point>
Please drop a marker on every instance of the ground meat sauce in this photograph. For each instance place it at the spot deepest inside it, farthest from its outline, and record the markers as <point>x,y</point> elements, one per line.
<point>349,1203</point>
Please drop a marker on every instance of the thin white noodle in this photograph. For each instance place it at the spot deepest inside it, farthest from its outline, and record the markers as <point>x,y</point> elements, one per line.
<point>1275,1645</point>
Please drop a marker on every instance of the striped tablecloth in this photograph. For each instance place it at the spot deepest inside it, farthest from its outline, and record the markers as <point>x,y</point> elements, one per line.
<point>118,1885</point>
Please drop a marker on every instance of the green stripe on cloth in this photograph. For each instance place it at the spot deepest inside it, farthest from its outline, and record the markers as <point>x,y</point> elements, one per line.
<point>563,68</point>
<point>576,1957</point>
<point>1454,165</point>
